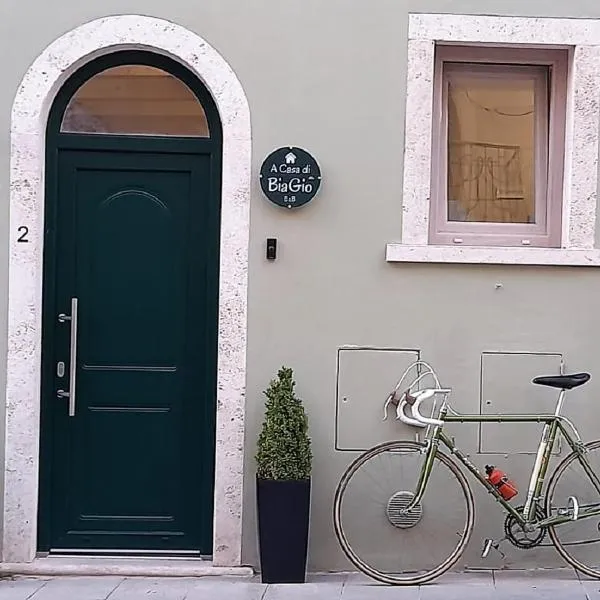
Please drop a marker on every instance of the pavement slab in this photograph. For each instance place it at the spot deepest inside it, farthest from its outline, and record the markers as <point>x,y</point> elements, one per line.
<point>557,584</point>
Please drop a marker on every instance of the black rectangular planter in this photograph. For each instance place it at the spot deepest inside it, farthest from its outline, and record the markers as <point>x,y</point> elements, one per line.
<point>283,518</point>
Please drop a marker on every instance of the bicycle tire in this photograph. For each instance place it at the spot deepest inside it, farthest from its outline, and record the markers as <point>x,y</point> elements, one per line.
<point>552,530</point>
<point>359,562</point>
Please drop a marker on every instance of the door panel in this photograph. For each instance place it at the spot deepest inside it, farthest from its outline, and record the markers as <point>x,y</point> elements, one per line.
<point>133,468</point>
<point>131,282</point>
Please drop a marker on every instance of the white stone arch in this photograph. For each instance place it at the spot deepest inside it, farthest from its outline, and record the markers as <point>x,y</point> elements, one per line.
<point>29,117</point>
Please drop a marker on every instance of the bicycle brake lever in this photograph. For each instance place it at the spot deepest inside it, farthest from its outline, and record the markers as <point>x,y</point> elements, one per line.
<point>392,399</point>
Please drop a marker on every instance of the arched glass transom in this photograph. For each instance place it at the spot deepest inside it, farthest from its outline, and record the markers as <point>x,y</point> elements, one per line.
<point>135,100</point>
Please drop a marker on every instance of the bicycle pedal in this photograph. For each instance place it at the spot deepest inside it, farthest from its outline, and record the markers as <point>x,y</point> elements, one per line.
<point>487,546</point>
<point>574,508</point>
<point>571,511</point>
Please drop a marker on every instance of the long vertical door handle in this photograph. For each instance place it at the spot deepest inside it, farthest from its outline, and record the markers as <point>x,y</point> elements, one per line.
<point>71,394</point>
<point>73,357</point>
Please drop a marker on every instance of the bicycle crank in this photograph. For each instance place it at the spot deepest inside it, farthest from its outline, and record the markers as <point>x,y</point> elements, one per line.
<point>521,537</point>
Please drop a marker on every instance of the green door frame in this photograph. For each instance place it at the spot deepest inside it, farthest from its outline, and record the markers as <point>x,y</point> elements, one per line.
<point>57,141</point>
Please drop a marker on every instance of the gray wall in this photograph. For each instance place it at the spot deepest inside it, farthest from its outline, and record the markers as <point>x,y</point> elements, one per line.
<point>330,76</point>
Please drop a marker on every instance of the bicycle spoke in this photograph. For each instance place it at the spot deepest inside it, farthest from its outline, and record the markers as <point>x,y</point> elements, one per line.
<point>578,541</point>
<point>385,540</point>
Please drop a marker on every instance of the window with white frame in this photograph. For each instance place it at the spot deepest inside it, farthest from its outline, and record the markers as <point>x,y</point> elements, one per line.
<point>501,141</point>
<point>498,146</point>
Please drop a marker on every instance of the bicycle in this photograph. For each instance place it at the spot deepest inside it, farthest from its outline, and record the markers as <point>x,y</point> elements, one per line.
<point>408,507</point>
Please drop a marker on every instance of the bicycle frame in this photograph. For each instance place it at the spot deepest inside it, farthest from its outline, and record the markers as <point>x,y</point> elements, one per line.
<point>553,424</point>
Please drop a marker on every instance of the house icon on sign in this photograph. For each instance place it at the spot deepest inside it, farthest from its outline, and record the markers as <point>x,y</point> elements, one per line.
<point>290,158</point>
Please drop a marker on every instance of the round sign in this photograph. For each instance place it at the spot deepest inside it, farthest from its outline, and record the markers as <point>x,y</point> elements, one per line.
<point>290,177</point>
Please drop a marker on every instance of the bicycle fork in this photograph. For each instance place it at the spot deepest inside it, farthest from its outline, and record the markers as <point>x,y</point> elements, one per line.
<point>430,449</point>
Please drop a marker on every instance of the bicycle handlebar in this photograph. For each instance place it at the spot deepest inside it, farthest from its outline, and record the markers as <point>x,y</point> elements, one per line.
<point>414,401</point>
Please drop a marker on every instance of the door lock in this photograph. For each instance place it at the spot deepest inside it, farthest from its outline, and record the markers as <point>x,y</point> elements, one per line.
<point>60,369</point>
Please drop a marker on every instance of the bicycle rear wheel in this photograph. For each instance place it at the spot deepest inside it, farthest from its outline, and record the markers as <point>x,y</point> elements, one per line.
<point>388,543</point>
<point>578,542</point>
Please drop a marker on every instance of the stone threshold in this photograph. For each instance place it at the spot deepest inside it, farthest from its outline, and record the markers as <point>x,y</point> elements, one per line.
<point>123,566</point>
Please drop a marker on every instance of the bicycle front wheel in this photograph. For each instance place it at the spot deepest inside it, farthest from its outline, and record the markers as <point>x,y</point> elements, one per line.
<point>384,540</point>
<point>578,542</point>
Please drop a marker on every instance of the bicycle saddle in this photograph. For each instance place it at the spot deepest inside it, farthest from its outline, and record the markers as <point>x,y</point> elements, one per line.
<point>563,382</point>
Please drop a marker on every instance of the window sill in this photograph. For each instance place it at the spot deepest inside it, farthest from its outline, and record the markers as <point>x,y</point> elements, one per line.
<point>404,253</point>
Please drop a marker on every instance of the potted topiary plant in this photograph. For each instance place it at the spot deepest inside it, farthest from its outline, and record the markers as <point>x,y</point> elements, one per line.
<point>283,480</point>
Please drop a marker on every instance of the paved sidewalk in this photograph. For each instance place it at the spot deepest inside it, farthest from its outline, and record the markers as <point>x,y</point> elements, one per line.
<point>559,584</point>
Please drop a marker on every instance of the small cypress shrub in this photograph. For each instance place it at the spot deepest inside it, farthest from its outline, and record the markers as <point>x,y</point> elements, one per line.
<point>284,451</point>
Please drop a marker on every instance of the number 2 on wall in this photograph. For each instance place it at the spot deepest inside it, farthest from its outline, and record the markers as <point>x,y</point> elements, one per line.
<point>24,232</point>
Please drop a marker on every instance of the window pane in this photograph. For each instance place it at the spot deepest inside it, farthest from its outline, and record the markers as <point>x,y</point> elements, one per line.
<point>491,147</point>
<point>136,100</point>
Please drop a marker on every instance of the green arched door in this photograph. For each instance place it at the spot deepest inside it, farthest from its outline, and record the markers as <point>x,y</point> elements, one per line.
<point>130,310</point>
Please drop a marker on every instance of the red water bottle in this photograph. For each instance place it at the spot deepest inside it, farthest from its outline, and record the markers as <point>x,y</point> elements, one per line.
<point>501,482</point>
